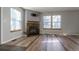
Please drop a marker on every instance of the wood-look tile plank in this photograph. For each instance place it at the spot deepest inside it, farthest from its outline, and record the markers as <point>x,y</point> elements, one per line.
<point>38,44</point>
<point>23,42</point>
<point>15,41</point>
<point>74,38</point>
<point>68,44</point>
<point>26,42</point>
<point>54,44</point>
<point>47,43</point>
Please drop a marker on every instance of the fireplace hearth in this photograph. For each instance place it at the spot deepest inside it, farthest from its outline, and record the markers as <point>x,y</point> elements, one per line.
<point>32,28</point>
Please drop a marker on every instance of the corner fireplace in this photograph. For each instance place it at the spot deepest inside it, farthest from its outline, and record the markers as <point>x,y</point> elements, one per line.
<point>32,28</point>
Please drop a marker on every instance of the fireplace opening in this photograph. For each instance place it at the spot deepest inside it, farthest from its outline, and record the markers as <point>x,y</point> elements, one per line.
<point>32,28</point>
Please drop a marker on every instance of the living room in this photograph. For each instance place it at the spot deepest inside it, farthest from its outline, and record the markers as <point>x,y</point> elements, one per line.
<point>37,28</point>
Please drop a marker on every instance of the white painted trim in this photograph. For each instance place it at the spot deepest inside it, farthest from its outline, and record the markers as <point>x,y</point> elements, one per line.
<point>1,24</point>
<point>3,42</point>
<point>73,34</point>
<point>60,34</point>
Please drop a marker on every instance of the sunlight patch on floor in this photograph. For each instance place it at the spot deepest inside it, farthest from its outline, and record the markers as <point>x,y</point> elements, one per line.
<point>51,41</point>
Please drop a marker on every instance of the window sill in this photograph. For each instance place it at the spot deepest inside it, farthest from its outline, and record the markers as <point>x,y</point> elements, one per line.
<point>57,29</point>
<point>52,29</point>
<point>47,28</point>
<point>15,30</point>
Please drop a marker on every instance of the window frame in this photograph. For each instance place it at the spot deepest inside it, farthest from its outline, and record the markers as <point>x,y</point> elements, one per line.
<point>56,22</point>
<point>52,23</point>
<point>15,30</point>
<point>48,22</point>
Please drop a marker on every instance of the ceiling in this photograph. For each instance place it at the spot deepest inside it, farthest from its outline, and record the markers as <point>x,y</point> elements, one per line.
<point>50,9</point>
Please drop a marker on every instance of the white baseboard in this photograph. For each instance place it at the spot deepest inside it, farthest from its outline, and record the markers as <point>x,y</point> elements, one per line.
<point>61,34</point>
<point>73,34</point>
<point>3,42</point>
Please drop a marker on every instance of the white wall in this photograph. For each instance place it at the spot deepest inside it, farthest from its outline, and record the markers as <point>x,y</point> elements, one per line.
<point>6,35</point>
<point>28,17</point>
<point>70,23</point>
<point>31,18</point>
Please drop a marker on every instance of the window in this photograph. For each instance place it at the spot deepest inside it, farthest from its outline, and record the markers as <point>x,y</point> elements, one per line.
<point>15,20</point>
<point>53,22</point>
<point>47,21</point>
<point>56,22</point>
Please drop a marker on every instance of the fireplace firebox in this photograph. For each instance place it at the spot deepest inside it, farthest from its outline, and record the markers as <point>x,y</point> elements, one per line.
<point>32,28</point>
